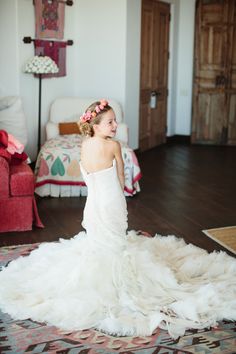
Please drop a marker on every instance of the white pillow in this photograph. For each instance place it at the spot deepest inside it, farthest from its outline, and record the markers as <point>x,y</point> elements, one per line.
<point>12,118</point>
<point>7,101</point>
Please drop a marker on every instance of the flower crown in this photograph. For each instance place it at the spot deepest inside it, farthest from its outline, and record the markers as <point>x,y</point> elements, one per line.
<point>89,115</point>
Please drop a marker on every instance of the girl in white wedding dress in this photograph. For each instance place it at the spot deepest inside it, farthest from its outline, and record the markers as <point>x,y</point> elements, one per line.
<point>119,283</point>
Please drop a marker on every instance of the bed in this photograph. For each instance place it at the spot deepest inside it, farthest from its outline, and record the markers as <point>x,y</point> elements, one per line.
<point>57,167</point>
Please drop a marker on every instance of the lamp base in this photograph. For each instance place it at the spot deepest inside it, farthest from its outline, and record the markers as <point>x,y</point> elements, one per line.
<point>39,115</point>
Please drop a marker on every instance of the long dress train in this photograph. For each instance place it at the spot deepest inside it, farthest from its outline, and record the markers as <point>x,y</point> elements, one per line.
<point>119,282</point>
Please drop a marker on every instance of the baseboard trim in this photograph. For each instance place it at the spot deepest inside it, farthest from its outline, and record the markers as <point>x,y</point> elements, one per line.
<point>179,139</point>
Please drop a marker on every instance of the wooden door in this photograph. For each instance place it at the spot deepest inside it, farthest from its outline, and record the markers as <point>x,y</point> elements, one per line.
<point>154,73</point>
<point>214,93</point>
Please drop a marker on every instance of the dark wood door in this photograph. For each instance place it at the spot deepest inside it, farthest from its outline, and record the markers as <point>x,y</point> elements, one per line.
<point>214,93</point>
<point>231,74</point>
<point>154,73</point>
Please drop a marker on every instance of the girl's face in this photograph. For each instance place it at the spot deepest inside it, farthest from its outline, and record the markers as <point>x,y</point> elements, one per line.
<point>108,125</point>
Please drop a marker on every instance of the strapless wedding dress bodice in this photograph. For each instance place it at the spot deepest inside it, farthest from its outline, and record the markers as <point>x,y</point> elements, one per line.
<point>119,282</point>
<point>105,212</point>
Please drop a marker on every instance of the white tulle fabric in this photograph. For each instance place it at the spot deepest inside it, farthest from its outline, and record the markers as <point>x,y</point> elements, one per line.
<point>120,283</point>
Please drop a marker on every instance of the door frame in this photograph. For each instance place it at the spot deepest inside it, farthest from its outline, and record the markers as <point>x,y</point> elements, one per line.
<point>170,117</point>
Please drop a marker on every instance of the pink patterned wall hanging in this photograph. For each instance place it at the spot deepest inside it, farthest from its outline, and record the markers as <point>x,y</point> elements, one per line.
<point>56,51</point>
<point>49,19</point>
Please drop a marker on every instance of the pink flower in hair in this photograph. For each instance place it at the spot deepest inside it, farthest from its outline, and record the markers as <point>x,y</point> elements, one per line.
<point>89,115</point>
<point>86,117</point>
<point>103,102</point>
<point>83,118</point>
<point>100,107</point>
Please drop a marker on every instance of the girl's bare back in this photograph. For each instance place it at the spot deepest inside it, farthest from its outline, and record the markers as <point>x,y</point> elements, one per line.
<point>97,154</point>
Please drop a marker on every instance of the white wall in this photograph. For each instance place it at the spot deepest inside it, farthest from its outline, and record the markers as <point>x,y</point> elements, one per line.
<point>172,67</point>
<point>184,67</point>
<point>95,63</point>
<point>103,62</point>
<point>51,88</point>
<point>16,22</point>
<point>132,84</point>
<point>100,27</point>
<point>9,76</point>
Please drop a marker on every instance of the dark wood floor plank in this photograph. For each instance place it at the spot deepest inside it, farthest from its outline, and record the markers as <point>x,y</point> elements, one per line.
<point>184,189</point>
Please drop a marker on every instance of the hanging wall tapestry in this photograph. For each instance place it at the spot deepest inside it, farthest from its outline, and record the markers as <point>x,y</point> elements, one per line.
<point>49,19</point>
<point>56,51</point>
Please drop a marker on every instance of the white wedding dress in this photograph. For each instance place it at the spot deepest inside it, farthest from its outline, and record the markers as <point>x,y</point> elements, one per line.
<point>119,283</point>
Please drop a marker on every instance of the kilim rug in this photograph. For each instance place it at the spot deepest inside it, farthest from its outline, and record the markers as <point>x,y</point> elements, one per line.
<point>225,236</point>
<point>33,337</point>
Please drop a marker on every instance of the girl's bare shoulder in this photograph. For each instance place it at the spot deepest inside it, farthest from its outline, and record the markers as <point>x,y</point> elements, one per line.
<point>113,144</point>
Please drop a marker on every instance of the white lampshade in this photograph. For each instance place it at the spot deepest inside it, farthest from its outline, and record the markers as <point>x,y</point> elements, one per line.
<point>41,65</point>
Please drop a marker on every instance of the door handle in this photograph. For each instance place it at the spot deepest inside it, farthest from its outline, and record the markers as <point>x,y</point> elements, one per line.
<point>220,80</point>
<point>153,99</point>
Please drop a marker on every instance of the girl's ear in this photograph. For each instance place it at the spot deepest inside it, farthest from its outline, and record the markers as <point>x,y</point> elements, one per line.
<point>95,127</point>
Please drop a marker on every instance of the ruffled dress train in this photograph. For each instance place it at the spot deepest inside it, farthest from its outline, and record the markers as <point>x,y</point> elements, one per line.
<point>121,283</point>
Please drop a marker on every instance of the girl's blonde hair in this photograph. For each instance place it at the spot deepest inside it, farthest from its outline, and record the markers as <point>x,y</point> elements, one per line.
<point>93,115</point>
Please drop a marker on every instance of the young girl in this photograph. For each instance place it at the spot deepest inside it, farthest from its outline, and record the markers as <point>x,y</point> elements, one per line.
<point>104,278</point>
<point>99,151</point>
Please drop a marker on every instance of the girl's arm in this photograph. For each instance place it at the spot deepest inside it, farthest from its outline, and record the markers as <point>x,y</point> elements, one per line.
<point>119,163</point>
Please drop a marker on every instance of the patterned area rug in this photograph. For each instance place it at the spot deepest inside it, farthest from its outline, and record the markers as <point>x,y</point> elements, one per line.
<point>225,236</point>
<point>33,337</point>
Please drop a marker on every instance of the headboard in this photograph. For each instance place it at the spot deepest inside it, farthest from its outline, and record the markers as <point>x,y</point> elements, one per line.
<point>69,109</point>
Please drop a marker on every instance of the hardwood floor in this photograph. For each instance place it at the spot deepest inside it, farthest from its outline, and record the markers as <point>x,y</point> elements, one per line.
<point>184,189</point>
